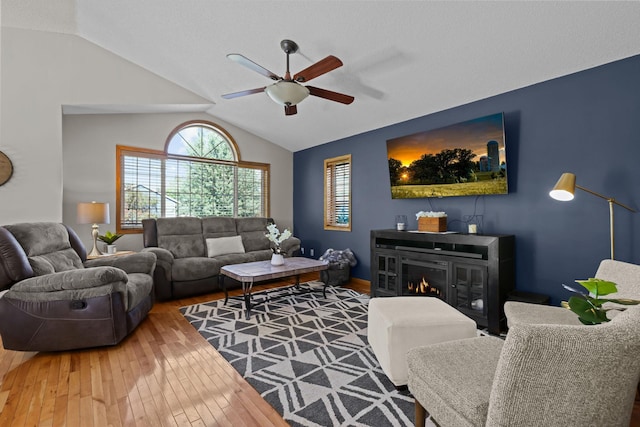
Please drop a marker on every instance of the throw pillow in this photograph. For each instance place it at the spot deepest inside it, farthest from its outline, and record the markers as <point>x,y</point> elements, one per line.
<point>224,246</point>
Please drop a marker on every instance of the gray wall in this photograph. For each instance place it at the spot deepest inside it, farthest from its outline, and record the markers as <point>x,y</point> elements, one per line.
<point>587,123</point>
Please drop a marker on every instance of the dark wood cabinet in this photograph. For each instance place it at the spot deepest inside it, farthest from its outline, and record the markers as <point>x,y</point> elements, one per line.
<point>473,273</point>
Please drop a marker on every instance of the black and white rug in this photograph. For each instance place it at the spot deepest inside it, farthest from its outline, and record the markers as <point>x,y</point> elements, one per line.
<point>307,356</point>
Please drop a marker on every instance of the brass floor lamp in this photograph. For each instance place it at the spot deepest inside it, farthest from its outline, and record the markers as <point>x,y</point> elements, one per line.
<point>564,191</point>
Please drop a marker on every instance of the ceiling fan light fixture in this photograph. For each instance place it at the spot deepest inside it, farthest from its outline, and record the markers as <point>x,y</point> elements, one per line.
<point>287,93</point>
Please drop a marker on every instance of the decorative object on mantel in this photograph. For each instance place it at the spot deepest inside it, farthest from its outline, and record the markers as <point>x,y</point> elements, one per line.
<point>588,305</point>
<point>432,221</point>
<point>93,213</point>
<point>110,238</point>
<point>277,238</point>
<point>565,189</point>
<point>401,222</point>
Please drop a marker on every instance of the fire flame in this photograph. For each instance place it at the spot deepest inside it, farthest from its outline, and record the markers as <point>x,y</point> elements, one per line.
<point>423,288</point>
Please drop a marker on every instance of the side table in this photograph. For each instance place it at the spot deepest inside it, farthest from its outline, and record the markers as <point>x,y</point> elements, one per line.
<point>118,253</point>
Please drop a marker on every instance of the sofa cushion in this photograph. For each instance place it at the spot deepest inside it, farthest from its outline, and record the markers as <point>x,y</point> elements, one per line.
<point>218,227</point>
<point>195,268</point>
<point>139,287</point>
<point>224,245</point>
<point>245,257</point>
<point>47,247</point>
<point>253,232</point>
<point>181,236</point>
<point>55,262</point>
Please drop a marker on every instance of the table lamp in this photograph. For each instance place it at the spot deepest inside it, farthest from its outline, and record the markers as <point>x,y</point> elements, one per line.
<point>564,191</point>
<point>93,213</point>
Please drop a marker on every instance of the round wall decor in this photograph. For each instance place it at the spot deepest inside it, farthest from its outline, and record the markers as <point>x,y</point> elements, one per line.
<point>6,168</point>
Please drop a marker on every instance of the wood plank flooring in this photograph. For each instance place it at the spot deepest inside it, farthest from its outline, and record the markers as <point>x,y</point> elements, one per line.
<point>164,374</point>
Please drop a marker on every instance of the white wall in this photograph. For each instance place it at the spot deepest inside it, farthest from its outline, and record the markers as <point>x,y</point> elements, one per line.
<point>89,158</point>
<point>41,71</point>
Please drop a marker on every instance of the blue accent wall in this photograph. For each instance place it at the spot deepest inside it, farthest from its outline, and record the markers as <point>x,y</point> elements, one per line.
<point>587,123</point>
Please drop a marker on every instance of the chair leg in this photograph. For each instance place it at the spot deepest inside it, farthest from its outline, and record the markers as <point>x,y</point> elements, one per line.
<point>421,414</point>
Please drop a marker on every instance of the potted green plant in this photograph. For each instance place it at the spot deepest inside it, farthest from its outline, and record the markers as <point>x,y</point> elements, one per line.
<point>109,238</point>
<point>588,305</point>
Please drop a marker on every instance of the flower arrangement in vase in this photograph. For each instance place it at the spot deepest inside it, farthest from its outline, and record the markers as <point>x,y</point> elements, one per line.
<point>277,238</point>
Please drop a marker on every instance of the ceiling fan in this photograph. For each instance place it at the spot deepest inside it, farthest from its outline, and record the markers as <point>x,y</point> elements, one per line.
<point>286,90</point>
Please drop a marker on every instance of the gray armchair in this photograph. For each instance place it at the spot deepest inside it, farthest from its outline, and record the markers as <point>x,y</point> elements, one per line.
<point>541,375</point>
<point>54,299</point>
<point>625,275</point>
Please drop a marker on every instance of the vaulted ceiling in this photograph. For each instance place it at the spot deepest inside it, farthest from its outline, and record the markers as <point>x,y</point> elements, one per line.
<point>402,59</point>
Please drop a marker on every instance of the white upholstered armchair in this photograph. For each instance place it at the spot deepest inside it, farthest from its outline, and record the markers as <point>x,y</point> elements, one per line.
<point>540,375</point>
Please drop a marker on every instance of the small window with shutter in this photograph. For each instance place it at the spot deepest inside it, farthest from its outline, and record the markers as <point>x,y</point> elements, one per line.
<point>337,193</point>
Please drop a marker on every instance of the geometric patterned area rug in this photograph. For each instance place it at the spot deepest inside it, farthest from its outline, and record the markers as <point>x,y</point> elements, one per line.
<point>307,356</point>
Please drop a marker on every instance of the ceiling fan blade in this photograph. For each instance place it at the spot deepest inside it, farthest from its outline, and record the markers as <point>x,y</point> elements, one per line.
<point>243,93</point>
<point>243,60</point>
<point>332,96</point>
<point>290,110</point>
<point>319,68</point>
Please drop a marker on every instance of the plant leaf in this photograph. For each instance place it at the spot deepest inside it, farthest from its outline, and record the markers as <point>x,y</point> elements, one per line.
<point>598,287</point>
<point>578,291</point>
<point>623,301</point>
<point>586,311</point>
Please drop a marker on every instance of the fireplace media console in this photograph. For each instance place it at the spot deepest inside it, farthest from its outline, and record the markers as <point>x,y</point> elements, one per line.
<point>473,273</point>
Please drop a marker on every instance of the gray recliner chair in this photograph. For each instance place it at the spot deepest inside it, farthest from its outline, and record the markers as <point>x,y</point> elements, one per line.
<point>53,299</point>
<point>540,375</point>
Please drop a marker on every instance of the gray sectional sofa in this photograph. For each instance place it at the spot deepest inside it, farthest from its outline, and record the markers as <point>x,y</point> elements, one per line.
<point>190,251</point>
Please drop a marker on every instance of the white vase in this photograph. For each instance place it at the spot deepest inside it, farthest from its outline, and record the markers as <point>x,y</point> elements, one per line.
<point>111,249</point>
<point>277,259</point>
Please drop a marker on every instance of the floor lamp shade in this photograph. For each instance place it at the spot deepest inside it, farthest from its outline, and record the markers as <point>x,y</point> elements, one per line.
<point>93,213</point>
<point>565,189</point>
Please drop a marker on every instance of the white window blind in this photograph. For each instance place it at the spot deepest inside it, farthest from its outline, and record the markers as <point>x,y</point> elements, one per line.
<point>337,182</point>
<point>153,184</point>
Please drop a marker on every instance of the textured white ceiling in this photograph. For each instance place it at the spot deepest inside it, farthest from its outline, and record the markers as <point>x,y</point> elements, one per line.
<point>402,59</point>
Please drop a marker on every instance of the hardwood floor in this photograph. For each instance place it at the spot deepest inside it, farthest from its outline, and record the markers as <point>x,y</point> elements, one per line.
<point>164,374</point>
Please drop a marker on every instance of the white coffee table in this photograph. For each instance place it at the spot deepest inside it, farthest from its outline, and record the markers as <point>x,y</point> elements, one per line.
<point>252,272</point>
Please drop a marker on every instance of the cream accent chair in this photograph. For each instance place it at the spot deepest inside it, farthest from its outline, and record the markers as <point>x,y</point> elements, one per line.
<point>540,375</point>
<point>625,275</point>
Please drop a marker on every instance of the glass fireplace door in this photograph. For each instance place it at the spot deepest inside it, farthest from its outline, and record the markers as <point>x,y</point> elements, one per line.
<point>469,289</point>
<point>424,278</point>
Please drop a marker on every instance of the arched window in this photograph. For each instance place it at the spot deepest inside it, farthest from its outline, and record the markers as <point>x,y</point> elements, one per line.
<point>199,173</point>
<point>201,139</point>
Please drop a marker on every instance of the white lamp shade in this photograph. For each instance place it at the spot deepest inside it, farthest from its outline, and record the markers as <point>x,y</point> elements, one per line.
<point>287,93</point>
<point>564,188</point>
<point>93,213</point>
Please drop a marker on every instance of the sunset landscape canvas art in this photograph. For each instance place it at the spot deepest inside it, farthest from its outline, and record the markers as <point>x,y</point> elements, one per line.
<point>463,159</point>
